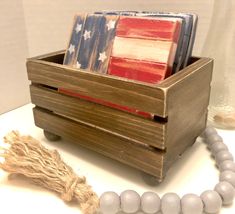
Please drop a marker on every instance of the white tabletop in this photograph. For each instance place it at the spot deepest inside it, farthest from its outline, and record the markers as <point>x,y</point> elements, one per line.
<point>193,173</point>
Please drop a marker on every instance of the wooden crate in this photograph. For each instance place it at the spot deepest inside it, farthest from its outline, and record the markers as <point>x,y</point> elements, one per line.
<point>180,104</point>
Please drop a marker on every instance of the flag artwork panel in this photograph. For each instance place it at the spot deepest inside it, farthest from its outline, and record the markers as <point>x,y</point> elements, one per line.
<point>149,43</point>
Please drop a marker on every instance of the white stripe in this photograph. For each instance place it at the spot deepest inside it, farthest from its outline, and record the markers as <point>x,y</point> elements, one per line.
<point>142,49</point>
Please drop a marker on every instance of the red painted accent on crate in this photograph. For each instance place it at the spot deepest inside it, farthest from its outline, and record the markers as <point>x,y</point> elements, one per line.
<point>145,71</point>
<point>106,103</point>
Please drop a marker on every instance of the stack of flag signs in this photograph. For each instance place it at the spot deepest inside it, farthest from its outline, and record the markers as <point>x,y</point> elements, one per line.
<point>150,43</point>
<point>187,37</point>
<point>145,47</point>
<point>150,48</point>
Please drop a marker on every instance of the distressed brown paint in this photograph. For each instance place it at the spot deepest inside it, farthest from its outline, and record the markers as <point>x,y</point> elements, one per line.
<point>179,103</point>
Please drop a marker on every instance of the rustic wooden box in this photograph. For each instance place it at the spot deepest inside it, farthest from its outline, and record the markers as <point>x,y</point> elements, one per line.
<point>179,103</point>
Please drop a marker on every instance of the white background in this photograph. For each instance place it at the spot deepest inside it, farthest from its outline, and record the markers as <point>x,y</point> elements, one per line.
<point>32,27</point>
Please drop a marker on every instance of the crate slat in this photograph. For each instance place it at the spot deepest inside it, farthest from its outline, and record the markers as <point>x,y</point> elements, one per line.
<point>121,91</point>
<point>115,121</point>
<point>111,146</point>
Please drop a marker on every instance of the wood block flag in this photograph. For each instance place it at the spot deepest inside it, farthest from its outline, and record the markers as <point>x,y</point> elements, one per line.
<point>91,47</point>
<point>144,48</point>
<point>75,40</point>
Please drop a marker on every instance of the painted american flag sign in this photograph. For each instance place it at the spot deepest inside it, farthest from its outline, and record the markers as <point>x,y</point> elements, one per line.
<point>187,37</point>
<point>138,48</point>
<point>150,48</point>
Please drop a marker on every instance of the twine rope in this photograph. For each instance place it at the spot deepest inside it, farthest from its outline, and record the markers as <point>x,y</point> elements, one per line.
<point>27,156</point>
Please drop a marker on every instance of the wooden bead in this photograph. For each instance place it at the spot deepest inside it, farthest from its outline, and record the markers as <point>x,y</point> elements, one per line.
<point>228,176</point>
<point>209,130</point>
<point>226,192</point>
<point>150,202</point>
<point>109,203</point>
<point>130,201</point>
<point>212,201</point>
<point>227,165</point>
<point>214,138</point>
<point>223,156</point>
<point>217,147</point>
<point>191,204</point>
<point>170,204</point>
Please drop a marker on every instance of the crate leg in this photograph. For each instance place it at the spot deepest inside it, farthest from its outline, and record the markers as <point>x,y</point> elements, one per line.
<point>51,136</point>
<point>150,179</point>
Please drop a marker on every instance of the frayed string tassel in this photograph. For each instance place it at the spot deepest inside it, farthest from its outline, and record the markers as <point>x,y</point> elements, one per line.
<point>28,157</point>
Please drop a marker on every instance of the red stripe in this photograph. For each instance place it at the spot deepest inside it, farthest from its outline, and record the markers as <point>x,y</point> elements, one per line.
<point>106,103</point>
<point>147,28</point>
<point>144,71</point>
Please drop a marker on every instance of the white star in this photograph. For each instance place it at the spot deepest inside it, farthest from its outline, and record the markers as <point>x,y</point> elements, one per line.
<point>78,65</point>
<point>78,28</point>
<point>87,35</point>
<point>110,24</point>
<point>71,48</point>
<point>102,57</point>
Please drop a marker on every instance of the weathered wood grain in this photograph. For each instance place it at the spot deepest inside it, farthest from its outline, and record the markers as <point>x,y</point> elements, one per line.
<point>108,119</point>
<point>75,39</point>
<point>186,101</point>
<point>143,97</point>
<point>141,157</point>
<point>195,65</point>
<point>89,41</point>
<point>102,52</point>
<point>55,57</point>
<point>180,100</point>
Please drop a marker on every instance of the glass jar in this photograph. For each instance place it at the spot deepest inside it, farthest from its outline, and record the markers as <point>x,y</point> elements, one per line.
<point>220,45</point>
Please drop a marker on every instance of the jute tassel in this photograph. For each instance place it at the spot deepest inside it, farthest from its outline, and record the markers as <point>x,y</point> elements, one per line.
<point>26,156</point>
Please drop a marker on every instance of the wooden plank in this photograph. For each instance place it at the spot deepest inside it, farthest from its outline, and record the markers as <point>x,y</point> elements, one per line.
<point>195,66</point>
<point>144,158</point>
<point>187,101</point>
<point>75,39</point>
<point>114,121</point>
<point>89,41</point>
<point>55,57</point>
<point>124,92</point>
<point>103,49</point>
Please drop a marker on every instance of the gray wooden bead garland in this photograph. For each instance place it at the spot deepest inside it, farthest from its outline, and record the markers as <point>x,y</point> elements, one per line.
<point>210,201</point>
